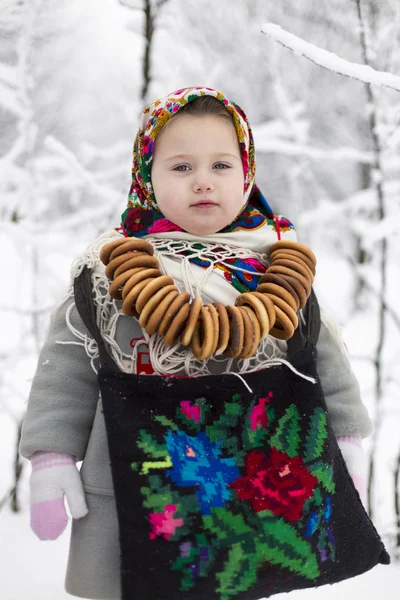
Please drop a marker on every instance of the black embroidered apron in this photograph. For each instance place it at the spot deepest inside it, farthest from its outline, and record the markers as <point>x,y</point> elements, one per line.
<point>225,493</point>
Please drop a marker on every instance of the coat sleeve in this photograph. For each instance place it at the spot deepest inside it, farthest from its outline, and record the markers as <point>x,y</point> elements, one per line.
<point>348,415</point>
<point>64,392</point>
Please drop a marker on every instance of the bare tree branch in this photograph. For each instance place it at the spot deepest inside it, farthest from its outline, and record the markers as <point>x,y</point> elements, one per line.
<point>330,60</point>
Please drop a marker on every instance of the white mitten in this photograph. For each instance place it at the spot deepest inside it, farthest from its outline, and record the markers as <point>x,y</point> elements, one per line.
<point>356,461</point>
<point>53,476</point>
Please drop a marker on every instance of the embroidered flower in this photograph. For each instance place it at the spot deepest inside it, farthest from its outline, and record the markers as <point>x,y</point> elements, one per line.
<point>148,145</point>
<point>197,462</point>
<point>163,225</point>
<point>258,415</point>
<point>164,524</point>
<point>277,483</point>
<point>137,219</point>
<point>284,224</point>
<point>191,411</point>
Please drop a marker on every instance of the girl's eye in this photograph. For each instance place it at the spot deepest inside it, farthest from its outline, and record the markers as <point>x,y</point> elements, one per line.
<point>219,166</point>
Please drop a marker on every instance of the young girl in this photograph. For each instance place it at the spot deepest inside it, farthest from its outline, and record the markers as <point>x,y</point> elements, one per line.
<point>194,197</point>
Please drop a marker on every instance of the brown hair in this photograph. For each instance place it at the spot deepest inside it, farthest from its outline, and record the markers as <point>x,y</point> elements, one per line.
<point>205,105</point>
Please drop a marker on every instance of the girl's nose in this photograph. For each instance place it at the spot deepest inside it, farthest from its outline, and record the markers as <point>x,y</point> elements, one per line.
<point>202,184</point>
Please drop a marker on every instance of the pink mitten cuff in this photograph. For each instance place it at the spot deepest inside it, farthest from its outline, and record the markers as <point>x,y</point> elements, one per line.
<point>53,476</point>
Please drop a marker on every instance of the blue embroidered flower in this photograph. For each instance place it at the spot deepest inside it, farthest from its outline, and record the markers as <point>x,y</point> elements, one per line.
<point>328,510</point>
<point>312,524</point>
<point>197,462</point>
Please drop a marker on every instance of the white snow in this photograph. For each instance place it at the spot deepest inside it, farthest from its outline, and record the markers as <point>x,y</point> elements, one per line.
<point>330,60</point>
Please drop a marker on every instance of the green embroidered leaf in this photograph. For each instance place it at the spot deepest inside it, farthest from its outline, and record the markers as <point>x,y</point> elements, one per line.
<point>157,464</point>
<point>324,473</point>
<point>167,422</point>
<point>239,573</point>
<point>221,523</point>
<point>316,436</point>
<point>156,501</point>
<point>315,502</point>
<point>287,436</point>
<point>150,446</point>
<point>282,545</point>
<point>219,431</point>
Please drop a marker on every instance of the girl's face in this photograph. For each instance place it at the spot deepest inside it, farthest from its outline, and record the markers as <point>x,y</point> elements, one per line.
<point>197,173</point>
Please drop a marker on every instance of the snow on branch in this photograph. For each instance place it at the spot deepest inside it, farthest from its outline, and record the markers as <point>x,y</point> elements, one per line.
<point>330,60</point>
<point>347,154</point>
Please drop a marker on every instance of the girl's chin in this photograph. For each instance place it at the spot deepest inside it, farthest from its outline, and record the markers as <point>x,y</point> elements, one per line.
<point>205,229</point>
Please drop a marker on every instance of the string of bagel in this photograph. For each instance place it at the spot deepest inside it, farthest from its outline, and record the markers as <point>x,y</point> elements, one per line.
<point>213,328</point>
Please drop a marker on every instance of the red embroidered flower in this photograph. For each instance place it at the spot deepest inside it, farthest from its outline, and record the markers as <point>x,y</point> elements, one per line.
<point>137,219</point>
<point>277,483</point>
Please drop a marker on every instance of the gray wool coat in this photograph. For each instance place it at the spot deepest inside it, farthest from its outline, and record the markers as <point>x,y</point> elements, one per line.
<point>64,415</point>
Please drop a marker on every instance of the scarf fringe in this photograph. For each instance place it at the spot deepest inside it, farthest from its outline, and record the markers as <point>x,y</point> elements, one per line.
<point>173,360</point>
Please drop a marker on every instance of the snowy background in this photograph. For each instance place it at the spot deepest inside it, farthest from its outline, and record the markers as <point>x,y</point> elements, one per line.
<point>320,82</point>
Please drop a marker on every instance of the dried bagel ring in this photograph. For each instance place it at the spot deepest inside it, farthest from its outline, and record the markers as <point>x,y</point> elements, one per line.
<point>172,310</point>
<point>203,336</point>
<point>269,305</point>
<point>132,245</point>
<point>285,271</point>
<point>249,332</point>
<point>288,253</point>
<point>156,317</point>
<point>116,286</point>
<point>291,264</point>
<point>154,302</point>
<point>177,325</point>
<point>151,289</point>
<point>294,246</point>
<point>128,306</point>
<point>236,332</point>
<point>259,308</point>
<point>214,315</point>
<point>256,333</point>
<point>299,287</point>
<point>106,250</point>
<point>112,270</point>
<point>137,259</point>
<point>195,309</point>
<point>274,278</point>
<point>224,328</point>
<point>280,255</point>
<point>287,329</point>
<point>272,288</point>
<point>283,305</point>
<point>136,277</point>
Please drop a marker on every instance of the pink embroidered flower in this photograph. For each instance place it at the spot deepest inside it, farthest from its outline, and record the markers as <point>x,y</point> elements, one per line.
<point>164,524</point>
<point>191,412</point>
<point>258,415</point>
<point>163,225</point>
<point>259,267</point>
<point>148,145</point>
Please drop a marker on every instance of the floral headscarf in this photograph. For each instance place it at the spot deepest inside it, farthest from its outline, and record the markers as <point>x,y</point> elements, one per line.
<point>143,217</point>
